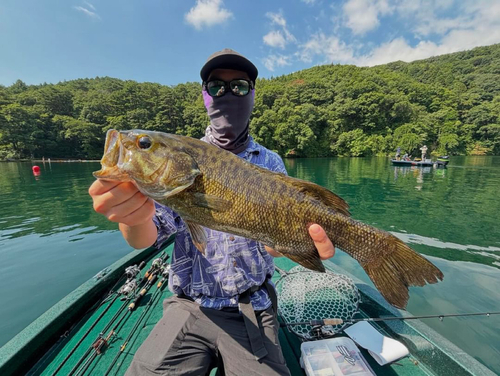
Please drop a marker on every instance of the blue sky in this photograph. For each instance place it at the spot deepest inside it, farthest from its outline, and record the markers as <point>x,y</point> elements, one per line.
<point>167,41</point>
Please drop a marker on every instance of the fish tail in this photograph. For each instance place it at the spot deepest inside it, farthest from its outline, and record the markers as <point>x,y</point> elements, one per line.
<point>391,264</point>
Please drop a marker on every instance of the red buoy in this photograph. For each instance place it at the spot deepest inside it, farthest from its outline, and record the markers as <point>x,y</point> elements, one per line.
<point>36,170</point>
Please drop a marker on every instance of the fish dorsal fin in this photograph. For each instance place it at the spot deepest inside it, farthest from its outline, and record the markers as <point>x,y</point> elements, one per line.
<point>198,235</point>
<point>211,202</point>
<point>322,194</point>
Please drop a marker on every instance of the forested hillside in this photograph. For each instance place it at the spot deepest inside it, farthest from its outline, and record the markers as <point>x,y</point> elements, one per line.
<point>451,103</point>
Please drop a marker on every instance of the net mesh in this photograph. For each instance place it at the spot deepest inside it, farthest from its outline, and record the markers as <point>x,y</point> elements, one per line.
<point>304,295</point>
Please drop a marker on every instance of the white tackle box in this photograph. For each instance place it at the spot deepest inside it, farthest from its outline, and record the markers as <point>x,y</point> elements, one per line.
<point>333,357</point>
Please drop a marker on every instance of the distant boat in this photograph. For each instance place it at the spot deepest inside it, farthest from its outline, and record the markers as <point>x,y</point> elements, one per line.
<point>441,161</point>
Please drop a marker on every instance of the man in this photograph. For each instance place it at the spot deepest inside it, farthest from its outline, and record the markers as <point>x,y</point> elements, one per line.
<point>222,313</point>
<point>423,149</point>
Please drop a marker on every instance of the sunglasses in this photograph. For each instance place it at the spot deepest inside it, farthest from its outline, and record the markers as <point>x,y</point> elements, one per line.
<point>218,88</point>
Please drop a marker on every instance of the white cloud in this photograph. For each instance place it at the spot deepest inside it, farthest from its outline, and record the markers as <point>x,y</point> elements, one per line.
<point>421,9</point>
<point>89,5</point>
<point>430,29</point>
<point>207,13</point>
<point>275,39</point>
<point>278,38</point>
<point>440,26</point>
<point>88,12</point>
<point>363,15</point>
<point>276,18</point>
<point>330,48</point>
<point>309,1</point>
<point>477,24</point>
<point>398,49</point>
<point>421,14</point>
<point>273,61</point>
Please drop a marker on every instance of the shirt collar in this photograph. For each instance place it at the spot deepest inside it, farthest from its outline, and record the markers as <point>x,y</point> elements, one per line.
<point>252,148</point>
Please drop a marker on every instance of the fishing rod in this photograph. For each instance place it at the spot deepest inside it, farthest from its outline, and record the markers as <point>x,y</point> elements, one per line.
<point>336,321</point>
<point>128,293</point>
<point>165,274</point>
<point>100,344</point>
<point>159,289</point>
<point>130,273</point>
<point>155,265</point>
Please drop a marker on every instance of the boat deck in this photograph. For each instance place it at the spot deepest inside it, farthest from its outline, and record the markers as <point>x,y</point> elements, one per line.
<point>289,342</point>
<point>431,354</point>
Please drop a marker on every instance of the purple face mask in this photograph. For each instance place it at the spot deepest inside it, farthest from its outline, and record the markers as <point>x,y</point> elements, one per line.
<point>229,120</point>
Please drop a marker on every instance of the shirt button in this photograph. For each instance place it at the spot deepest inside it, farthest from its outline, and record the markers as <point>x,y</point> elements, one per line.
<point>231,238</point>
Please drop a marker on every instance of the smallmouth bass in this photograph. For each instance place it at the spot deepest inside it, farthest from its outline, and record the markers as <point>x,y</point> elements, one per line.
<point>211,187</point>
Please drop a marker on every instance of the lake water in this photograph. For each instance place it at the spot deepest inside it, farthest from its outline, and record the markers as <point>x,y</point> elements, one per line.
<point>51,240</point>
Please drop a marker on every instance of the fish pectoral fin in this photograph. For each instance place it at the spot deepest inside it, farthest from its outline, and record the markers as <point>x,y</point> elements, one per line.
<point>211,202</point>
<point>198,236</point>
<point>308,259</point>
<point>322,194</point>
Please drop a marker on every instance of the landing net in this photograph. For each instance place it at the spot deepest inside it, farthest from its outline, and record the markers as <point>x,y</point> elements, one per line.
<point>304,295</point>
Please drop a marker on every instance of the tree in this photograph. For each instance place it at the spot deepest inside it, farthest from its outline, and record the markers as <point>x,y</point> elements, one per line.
<point>450,102</point>
<point>17,127</point>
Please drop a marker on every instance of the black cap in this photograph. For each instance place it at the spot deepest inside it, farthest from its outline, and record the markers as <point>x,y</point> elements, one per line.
<point>228,59</point>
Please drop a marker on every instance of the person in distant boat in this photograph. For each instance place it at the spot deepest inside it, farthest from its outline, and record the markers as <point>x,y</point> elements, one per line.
<point>398,153</point>
<point>423,149</point>
<point>405,157</point>
<point>224,310</point>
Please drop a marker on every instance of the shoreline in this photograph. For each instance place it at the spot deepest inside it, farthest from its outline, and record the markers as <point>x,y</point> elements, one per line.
<point>60,160</point>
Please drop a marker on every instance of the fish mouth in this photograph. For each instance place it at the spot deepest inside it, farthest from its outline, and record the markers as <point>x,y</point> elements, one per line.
<point>112,158</point>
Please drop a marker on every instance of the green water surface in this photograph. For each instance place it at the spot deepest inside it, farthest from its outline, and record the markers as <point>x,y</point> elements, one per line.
<point>51,240</point>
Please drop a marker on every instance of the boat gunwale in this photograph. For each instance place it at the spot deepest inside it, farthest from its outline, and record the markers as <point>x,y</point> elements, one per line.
<point>24,350</point>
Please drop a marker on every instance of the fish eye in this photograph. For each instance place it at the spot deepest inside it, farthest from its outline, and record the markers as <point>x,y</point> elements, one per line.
<point>144,142</point>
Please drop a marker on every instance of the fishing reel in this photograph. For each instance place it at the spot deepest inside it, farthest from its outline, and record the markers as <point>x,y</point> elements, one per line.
<point>157,263</point>
<point>322,331</point>
<point>165,270</point>
<point>128,288</point>
<point>161,267</point>
<point>132,271</point>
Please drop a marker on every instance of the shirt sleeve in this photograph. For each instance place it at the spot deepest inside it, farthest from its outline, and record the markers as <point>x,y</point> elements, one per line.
<point>166,221</point>
<point>277,164</point>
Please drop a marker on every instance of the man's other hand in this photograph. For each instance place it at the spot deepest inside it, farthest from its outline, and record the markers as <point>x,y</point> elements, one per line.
<point>324,245</point>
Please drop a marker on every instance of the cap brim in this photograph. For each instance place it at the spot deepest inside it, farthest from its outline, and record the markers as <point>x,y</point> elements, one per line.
<point>229,61</point>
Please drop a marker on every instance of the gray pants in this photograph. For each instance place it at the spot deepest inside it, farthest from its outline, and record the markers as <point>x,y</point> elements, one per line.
<point>191,340</point>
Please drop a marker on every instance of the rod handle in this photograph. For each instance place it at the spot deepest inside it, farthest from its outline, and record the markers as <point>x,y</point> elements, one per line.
<point>333,322</point>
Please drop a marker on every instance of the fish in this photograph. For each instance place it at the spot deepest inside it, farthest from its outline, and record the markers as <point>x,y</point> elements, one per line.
<point>214,188</point>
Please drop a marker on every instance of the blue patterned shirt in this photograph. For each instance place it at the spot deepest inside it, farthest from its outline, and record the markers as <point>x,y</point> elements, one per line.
<point>231,264</point>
